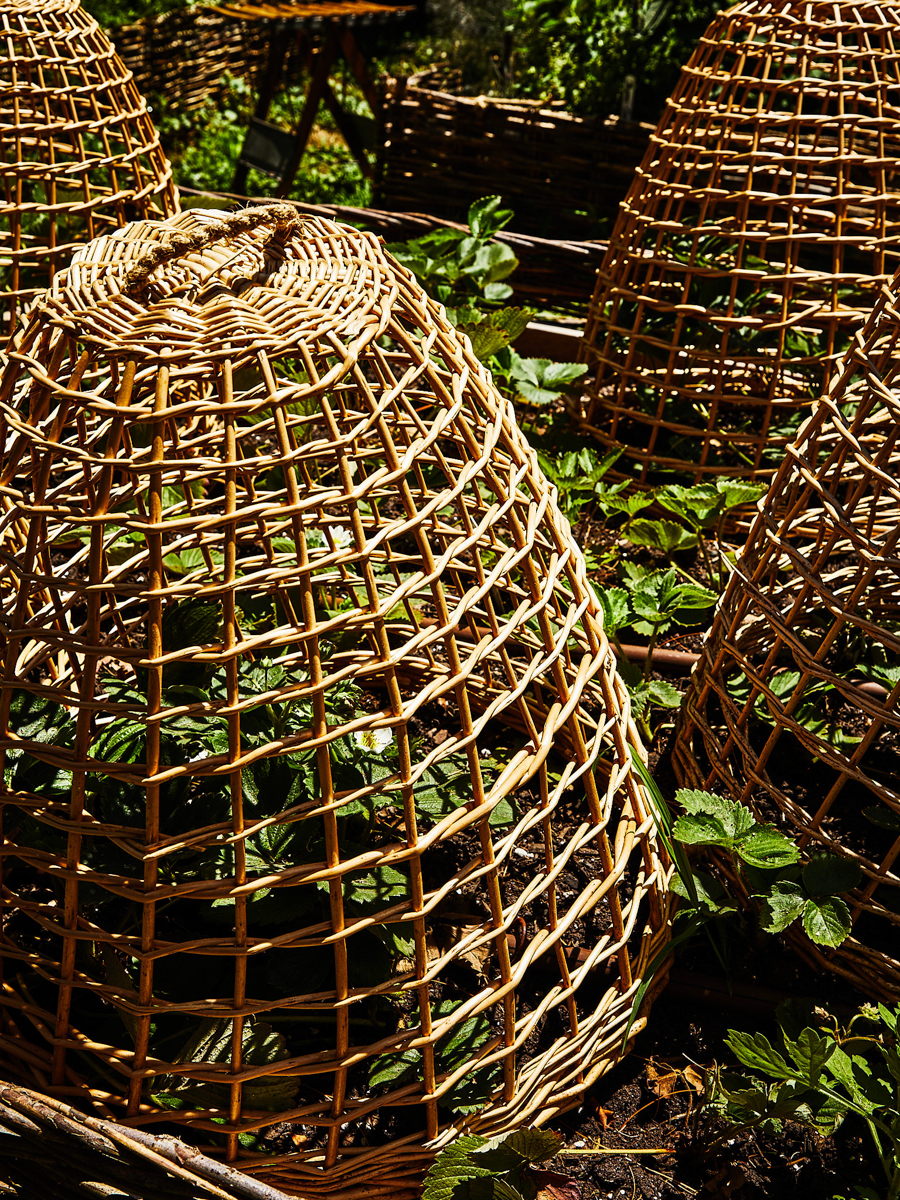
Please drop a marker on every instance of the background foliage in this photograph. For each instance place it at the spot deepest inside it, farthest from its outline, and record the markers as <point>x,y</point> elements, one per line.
<point>110,13</point>
<point>580,51</point>
<point>576,52</point>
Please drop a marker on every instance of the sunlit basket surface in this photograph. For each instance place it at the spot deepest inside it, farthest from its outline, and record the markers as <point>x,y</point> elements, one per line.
<point>79,155</point>
<point>793,707</point>
<point>321,829</point>
<point>752,241</point>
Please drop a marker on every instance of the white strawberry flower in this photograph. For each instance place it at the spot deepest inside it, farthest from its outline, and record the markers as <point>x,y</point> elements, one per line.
<point>340,536</point>
<point>375,741</point>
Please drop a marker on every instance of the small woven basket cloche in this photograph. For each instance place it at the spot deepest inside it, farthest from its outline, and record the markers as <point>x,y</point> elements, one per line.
<point>79,155</point>
<point>323,836</point>
<point>793,706</point>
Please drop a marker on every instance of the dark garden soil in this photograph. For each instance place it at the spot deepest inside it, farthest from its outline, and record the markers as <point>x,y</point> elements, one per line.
<point>642,1131</point>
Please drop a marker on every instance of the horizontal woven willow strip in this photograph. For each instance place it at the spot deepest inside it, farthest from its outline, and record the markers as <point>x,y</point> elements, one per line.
<point>300,11</point>
<point>79,155</point>
<point>752,242</point>
<point>775,713</point>
<point>344,759</point>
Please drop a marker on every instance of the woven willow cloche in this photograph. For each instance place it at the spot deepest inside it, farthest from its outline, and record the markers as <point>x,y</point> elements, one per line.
<point>337,826</point>
<point>793,705</point>
<point>79,155</point>
<point>752,241</point>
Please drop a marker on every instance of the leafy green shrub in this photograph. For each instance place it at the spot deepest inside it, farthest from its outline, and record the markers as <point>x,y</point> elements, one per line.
<point>580,51</point>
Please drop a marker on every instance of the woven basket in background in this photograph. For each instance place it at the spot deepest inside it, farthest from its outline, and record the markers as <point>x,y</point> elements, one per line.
<point>752,242</point>
<point>793,705</point>
<point>79,155</point>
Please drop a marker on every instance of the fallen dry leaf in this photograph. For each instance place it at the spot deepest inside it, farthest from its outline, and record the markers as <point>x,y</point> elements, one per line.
<point>726,1184</point>
<point>553,1185</point>
<point>662,1081</point>
<point>694,1078</point>
<point>445,936</point>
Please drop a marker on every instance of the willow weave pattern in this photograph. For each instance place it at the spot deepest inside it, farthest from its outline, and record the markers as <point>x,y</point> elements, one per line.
<point>79,155</point>
<point>793,706</point>
<point>752,242</point>
<point>321,662</point>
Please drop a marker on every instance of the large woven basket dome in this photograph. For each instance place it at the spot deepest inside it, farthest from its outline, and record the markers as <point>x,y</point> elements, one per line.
<point>79,155</point>
<point>793,705</point>
<point>322,831</point>
<point>752,241</point>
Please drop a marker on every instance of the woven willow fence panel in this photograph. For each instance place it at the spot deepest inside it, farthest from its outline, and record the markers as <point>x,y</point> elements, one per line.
<point>752,241</point>
<point>339,762</point>
<point>183,55</point>
<point>563,176</point>
<point>79,155</point>
<point>793,707</point>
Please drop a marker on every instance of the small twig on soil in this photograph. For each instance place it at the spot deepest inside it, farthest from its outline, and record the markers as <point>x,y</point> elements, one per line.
<point>655,1100</point>
<point>609,1150</point>
<point>674,1182</point>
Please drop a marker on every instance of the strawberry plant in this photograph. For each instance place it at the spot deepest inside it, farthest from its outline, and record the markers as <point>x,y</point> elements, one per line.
<point>650,603</point>
<point>534,382</point>
<point>466,270</point>
<point>822,1074</point>
<point>767,862</point>
<point>277,791</point>
<point>473,1168</point>
<point>576,474</point>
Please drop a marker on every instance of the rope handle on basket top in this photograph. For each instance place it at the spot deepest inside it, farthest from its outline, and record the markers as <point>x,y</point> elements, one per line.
<point>282,216</point>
